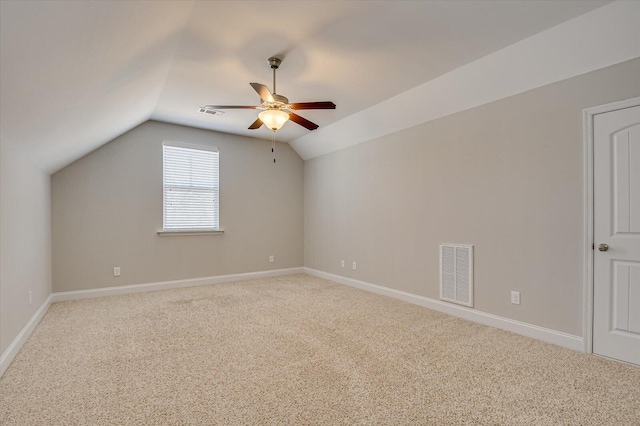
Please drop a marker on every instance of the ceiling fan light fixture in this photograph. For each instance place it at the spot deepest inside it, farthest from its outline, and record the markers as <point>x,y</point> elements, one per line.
<point>274,118</point>
<point>276,109</point>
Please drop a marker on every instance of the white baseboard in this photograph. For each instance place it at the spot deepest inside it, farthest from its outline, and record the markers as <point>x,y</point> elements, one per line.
<point>166,285</point>
<point>20,340</point>
<point>545,334</point>
<point>13,349</point>
<point>552,336</point>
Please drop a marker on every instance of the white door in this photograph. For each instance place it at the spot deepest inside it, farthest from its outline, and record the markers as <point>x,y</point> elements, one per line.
<point>616,297</point>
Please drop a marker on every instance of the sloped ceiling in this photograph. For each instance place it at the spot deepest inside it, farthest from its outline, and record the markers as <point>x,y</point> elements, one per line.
<point>74,75</point>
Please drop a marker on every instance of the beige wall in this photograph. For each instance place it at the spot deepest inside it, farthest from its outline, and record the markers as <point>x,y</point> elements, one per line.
<point>107,207</point>
<point>505,177</point>
<point>25,241</point>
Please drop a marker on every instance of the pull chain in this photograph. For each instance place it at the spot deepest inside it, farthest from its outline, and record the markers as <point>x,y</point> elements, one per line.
<point>273,145</point>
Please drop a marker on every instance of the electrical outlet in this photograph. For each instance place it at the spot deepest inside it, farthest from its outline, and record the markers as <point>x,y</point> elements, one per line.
<point>515,297</point>
<point>271,259</point>
<point>116,271</point>
<point>30,297</point>
<point>354,266</point>
<point>342,263</point>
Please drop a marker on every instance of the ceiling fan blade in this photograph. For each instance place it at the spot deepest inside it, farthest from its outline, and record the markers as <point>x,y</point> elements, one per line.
<point>302,121</point>
<point>256,124</point>
<point>228,107</point>
<point>313,105</point>
<point>263,91</point>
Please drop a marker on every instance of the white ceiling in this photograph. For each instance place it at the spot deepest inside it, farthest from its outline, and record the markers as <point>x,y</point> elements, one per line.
<point>74,75</point>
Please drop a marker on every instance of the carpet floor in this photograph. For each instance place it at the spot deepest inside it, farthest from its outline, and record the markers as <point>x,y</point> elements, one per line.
<point>298,350</point>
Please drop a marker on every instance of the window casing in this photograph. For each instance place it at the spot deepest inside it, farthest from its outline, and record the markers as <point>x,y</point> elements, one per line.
<point>191,187</point>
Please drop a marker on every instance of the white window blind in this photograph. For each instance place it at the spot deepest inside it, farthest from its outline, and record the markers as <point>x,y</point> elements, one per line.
<point>191,187</point>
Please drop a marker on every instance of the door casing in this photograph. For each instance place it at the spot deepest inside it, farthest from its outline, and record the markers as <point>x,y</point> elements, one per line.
<point>588,242</point>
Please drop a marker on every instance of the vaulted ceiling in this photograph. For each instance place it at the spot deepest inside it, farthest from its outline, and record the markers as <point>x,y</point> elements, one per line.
<point>74,75</point>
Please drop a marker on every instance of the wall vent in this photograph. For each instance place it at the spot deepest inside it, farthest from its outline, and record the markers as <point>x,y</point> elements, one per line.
<point>456,273</point>
<point>211,111</point>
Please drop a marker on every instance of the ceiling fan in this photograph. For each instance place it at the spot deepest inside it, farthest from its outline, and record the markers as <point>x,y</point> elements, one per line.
<point>276,109</point>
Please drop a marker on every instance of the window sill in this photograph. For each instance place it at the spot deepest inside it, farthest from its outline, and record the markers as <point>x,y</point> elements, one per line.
<point>183,232</point>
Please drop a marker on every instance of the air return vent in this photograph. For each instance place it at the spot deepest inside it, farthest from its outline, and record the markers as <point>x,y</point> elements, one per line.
<point>456,273</point>
<point>211,111</point>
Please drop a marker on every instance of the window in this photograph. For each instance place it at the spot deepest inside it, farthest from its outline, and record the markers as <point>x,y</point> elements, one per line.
<point>191,188</point>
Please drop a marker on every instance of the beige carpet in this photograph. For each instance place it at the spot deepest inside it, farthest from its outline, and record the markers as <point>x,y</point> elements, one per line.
<point>298,350</point>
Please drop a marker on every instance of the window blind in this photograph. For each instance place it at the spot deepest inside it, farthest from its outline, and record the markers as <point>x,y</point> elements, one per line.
<point>190,187</point>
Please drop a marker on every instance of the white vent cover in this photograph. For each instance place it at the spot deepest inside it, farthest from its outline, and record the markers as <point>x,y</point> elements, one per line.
<point>456,273</point>
<point>211,111</point>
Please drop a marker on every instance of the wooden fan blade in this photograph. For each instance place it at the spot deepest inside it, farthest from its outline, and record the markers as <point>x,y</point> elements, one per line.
<point>228,107</point>
<point>256,124</point>
<point>263,91</point>
<point>302,121</point>
<point>314,105</point>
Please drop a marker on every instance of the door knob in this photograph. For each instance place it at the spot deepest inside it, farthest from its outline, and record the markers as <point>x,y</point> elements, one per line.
<point>603,247</point>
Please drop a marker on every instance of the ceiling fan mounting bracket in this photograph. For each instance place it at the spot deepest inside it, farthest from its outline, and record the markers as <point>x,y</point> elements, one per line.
<point>275,62</point>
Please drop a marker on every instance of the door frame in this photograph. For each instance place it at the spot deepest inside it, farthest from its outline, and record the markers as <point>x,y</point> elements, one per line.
<point>588,115</point>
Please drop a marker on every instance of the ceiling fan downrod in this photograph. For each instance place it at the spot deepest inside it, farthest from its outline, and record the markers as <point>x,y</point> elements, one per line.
<point>275,64</point>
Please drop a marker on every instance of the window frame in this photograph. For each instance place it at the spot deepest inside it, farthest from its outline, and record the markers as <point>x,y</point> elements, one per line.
<point>189,231</point>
